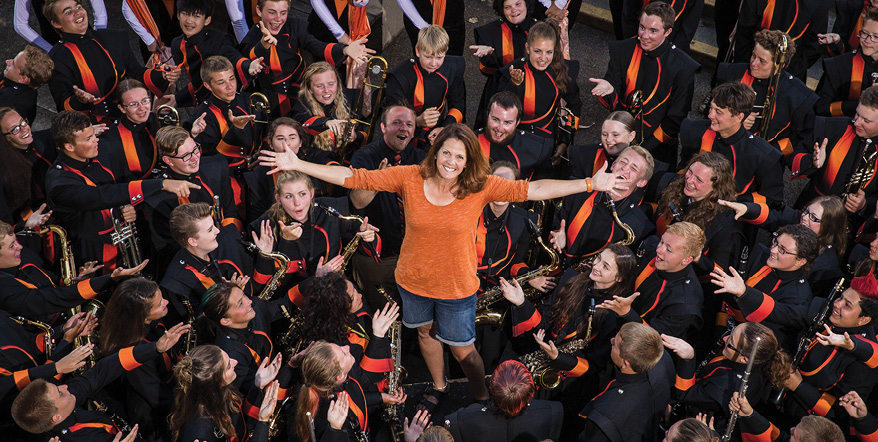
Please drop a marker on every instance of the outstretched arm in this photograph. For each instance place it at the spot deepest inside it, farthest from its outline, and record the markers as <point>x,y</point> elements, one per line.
<point>600,182</point>
<point>288,160</point>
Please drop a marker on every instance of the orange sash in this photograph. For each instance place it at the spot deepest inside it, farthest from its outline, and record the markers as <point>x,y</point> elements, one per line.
<point>438,12</point>
<point>836,158</point>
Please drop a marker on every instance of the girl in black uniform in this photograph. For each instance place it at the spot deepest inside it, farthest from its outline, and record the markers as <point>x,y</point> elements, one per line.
<point>324,109</point>
<point>617,133</point>
<point>206,405</point>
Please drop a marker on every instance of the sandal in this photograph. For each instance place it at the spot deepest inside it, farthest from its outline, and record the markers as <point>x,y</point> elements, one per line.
<point>433,393</point>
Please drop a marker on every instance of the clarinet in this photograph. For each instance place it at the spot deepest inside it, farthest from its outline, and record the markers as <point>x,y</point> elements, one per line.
<point>115,419</point>
<point>742,261</point>
<point>742,390</point>
<point>674,212</point>
<point>805,340</point>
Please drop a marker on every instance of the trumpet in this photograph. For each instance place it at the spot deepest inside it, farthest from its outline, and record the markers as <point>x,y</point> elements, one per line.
<point>864,169</point>
<point>767,108</point>
<point>351,246</point>
<point>48,332</point>
<point>635,107</point>
<point>167,115</point>
<point>124,237</point>
<point>539,364</point>
<point>281,264</point>
<point>259,103</point>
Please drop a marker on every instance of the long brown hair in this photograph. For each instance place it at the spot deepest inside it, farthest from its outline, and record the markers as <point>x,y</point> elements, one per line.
<point>775,362</point>
<point>202,390</point>
<point>573,292</point>
<point>706,210</point>
<point>16,170</point>
<point>320,369</point>
<point>833,224</point>
<point>550,30</point>
<point>474,175</point>
<point>128,307</point>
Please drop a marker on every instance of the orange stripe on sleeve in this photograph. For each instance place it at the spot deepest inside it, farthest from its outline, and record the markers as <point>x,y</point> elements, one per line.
<point>835,109</point>
<point>126,358</point>
<point>580,369</point>
<point>85,289</point>
<point>764,309</point>
<point>823,404</point>
<point>529,324</point>
<point>135,192</point>
<point>376,365</point>
<point>22,379</point>
<point>684,384</point>
<point>456,114</point>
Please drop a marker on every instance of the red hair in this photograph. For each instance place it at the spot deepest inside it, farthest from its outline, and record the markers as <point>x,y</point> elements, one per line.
<point>866,286</point>
<point>512,387</point>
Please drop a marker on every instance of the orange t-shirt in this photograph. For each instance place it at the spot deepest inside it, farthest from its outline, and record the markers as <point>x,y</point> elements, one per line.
<point>438,254</point>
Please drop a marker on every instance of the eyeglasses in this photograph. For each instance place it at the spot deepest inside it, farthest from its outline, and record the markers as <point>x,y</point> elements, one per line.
<point>811,216</point>
<point>188,156</point>
<point>865,36</point>
<point>781,249</point>
<point>732,347</point>
<point>135,104</point>
<point>17,128</point>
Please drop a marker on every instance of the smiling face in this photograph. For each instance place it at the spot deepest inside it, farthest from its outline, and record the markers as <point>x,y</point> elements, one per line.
<point>135,105</point>
<point>19,140</point>
<point>733,344</point>
<point>10,252</point>
<point>356,297</point>
<point>670,255</point>
<point>868,47</point>
<point>846,311</point>
<point>699,181</point>
<point>540,53</point>
<point>344,358</point>
<point>615,137</point>
<point>761,62</point>
<point>812,217</point>
<point>866,122</point>
<point>451,159</point>
<point>296,199</point>
<point>223,85</point>
<point>240,310</point>
<point>723,121</point>
<point>274,15</point>
<point>85,145</point>
<point>188,148</point>
<point>204,240</point>
<point>324,86</point>
<point>514,11</point>
<point>630,167</point>
<point>501,124</point>
<point>651,32</point>
<point>158,307</point>
<point>399,128</point>
<point>782,255</point>
<point>70,17</point>
<point>192,22</point>
<point>430,62</point>
<point>285,137</point>
<point>604,271</point>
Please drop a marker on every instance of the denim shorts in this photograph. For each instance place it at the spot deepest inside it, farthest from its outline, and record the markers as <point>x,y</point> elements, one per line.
<point>455,318</point>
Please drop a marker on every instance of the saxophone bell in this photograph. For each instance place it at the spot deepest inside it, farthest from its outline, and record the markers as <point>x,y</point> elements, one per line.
<point>635,107</point>
<point>351,247</point>
<point>259,103</point>
<point>281,265</point>
<point>48,332</point>
<point>167,115</point>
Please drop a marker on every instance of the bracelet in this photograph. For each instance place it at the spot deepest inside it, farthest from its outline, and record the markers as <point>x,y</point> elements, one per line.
<point>588,184</point>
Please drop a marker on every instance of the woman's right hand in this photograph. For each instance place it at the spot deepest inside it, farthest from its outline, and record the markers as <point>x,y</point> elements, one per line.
<point>337,127</point>
<point>558,238</point>
<point>290,232</point>
<point>333,265</point>
<point>267,371</point>
<point>338,411</point>
<point>269,402</point>
<point>739,208</point>
<point>548,347</point>
<point>413,430</point>
<point>75,359</point>
<point>278,161</point>
<point>130,437</point>
<point>512,291</point>
<point>741,405</point>
<point>383,319</point>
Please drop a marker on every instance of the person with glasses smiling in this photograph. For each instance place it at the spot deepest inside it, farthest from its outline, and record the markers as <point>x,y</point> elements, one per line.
<point>27,156</point>
<point>773,289</point>
<point>846,75</point>
<point>710,389</point>
<point>128,147</point>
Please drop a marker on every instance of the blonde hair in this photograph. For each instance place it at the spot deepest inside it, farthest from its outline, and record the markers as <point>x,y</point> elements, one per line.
<point>324,140</point>
<point>692,235</point>
<point>432,40</point>
<point>320,369</point>
<point>276,212</point>
<point>641,346</point>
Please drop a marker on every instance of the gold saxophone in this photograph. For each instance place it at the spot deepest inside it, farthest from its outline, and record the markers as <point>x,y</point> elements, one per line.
<point>48,332</point>
<point>66,261</point>
<point>635,107</point>
<point>766,110</point>
<point>124,237</point>
<point>351,246</point>
<point>582,266</point>
<point>281,264</point>
<point>539,364</point>
<point>393,413</point>
<point>94,307</point>
<point>191,336</point>
<point>485,302</point>
<point>291,341</point>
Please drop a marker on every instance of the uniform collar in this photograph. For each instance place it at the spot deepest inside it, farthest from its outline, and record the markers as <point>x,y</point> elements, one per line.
<point>75,38</point>
<point>735,138</point>
<point>74,163</point>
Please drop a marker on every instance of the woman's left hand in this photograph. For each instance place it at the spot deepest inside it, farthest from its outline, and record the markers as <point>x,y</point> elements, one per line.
<point>397,397</point>
<point>548,348</point>
<point>278,161</point>
<point>338,411</point>
<point>38,218</point>
<point>171,336</point>
<point>383,319</point>
<point>80,324</point>
<point>240,281</point>
<point>367,231</point>
<point>267,371</point>
<point>333,265</point>
<point>621,306</point>
<point>265,241</point>
<point>269,402</point>
<point>678,346</point>
<point>603,181</point>
<point>542,283</point>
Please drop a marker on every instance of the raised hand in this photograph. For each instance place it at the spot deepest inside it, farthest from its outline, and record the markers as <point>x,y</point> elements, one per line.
<point>481,50</point>
<point>179,187</point>
<point>603,181</point>
<point>119,272</point>
<point>516,75</point>
<point>241,121</point>
<point>542,283</point>
<point>75,359</point>
<point>739,208</point>
<point>38,218</point>
<point>512,291</point>
<point>843,341</point>
<point>619,304</point>
<point>383,319</point>
<point>854,405</point>
<point>338,411</point>
<point>198,125</point>
<point>820,153</point>
<point>333,265</point>
<point>130,437</point>
<point>80,324</point>
<point>268,40</point>
<point>290,232</point>
<point>357,50</point>
<point>548,347</point>
<point>602,87</point>
<point>267,370</point>
<point>171,336</point>
<point>558,238</point>
<point>678,346</point>
<point>265,241</point>
<point>239,280</point>
<point>87,269</point>
<point>367,231</point>
<point>278,161</point>
<point>413,430</point>
<point>728,282</point>
<point>269,402</point>
<point>83,96</point>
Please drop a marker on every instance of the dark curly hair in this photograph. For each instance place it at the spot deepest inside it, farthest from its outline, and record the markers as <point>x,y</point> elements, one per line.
<point>327,309</point>
<point>706,210</point>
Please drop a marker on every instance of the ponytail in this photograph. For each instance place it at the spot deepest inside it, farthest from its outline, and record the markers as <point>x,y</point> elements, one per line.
<point>775,362</point>
<point>320,370</point>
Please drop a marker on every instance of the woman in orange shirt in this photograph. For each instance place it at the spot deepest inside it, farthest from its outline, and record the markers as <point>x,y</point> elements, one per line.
<point>442,199</point>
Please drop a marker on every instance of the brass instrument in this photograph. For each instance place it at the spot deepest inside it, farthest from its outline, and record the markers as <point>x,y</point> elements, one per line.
<point>485,302</point>
<point>94,307</point>
<point>117,420</point>
<point>48,332</point>
<point>362,112</point>
<point>259,103</point>
<point>291,341</point>
<point>766,110</point>
<point>742,390</point>
<point>281,265</point>
<point>581,266</point>
<point>635,107</point>
<point>191,336</point>
<point>539,364</point>
<point>67,263</point>
<point>393,413</point>
<point>351,246</point>
<point>167,115</point>
<point>124,237</point>
<point>565,122</point>
<point>276,421</point>
<point>216,211</point>
<point>864,169</point>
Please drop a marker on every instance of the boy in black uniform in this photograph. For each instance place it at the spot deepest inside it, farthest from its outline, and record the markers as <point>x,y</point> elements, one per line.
<point>791,120</point>
<point>847,75</point>
<point>128,147</point>
<point>849,20</point>
<point>630,406</point>
<point>501,140</point>
<point>23,75</point>
<point>384,209</point>
<point>432,84</point>
<point>197,44</point>
<point>757,167</point>
<point>837,147</point>
<point>60,411</point>
<point>687,18</point>
<point>670,296</point>
<point>660,71</point>
<point>89,64</point>
<point>83,193</point>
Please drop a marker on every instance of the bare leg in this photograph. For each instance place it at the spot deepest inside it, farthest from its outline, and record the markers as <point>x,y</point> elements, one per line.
<point>474,368</point>
<point>431,350</point>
